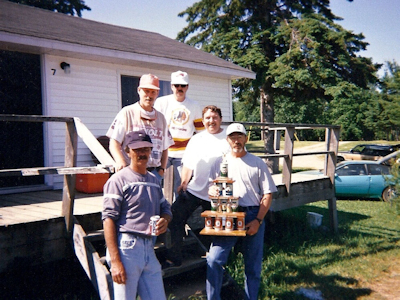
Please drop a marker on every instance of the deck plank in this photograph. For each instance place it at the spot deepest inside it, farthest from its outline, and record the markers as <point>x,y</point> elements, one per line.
<point>43,205</point>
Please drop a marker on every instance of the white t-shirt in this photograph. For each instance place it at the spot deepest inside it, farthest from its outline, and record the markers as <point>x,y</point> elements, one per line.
<point>201,152</point>
<point>183,118</point>
<point>251,175</point>
<point>133,118</point>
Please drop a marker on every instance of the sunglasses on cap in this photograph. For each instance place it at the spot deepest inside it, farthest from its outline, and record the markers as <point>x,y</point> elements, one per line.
<point>180,85</point>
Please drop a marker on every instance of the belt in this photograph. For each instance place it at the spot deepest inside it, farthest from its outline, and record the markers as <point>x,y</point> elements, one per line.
<point>247,208</point>
<point>150,169</point>
<point>139,235</point>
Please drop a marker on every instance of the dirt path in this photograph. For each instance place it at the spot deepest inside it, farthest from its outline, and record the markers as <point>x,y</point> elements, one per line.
<point>386,286</point>
<point>310,161</point>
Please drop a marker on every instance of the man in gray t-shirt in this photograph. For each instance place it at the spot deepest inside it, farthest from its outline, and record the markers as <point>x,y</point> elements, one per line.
<point>254,186</point>
<point>131,197</point>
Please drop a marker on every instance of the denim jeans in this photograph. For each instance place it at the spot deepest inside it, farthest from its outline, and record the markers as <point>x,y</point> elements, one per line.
<point>183,207</point>
<point>143,271</point>
<point>252,253</point>
<point>177,165</point>
<point>158,176</point>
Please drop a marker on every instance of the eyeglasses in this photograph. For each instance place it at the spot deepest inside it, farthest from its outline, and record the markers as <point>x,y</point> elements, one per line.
<point>180,85</point>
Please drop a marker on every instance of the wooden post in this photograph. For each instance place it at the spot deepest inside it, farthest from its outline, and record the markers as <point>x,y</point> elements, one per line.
<point>71,145</point>
<point>277,139</point>
<point>333,219</point>
<point>169,184</point>
<point>288,159</point>
<point>332,144</point>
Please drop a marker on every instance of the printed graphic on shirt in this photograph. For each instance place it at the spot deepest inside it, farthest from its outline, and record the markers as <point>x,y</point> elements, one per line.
<point>180,116</point>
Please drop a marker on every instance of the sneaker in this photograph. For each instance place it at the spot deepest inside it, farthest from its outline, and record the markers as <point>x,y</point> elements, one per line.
<point>170,264</point>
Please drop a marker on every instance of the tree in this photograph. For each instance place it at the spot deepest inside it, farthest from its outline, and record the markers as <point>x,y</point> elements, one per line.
<point>294,47</point>
<point>62,6</point>
<point>390,98</point>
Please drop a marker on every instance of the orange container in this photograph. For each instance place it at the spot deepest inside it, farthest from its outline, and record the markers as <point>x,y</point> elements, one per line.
<point>91,183</point>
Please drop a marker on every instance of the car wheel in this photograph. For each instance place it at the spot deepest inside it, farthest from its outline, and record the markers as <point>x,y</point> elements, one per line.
<point>387,193</point>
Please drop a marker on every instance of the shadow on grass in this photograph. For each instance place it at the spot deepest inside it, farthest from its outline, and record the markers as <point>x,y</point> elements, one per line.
<point>294,253</point>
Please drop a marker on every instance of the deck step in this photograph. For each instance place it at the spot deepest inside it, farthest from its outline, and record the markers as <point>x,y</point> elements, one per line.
<point>93,236</point>
<point>188,264</point>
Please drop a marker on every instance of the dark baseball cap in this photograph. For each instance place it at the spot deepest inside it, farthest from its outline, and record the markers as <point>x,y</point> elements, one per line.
<point>138,139</point>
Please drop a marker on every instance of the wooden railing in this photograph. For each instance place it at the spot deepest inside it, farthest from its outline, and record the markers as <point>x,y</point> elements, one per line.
<point>332,133</point>
<point>73,128</point>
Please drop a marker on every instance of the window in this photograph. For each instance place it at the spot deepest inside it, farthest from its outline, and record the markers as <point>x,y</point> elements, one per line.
<point>378,170</point>
<point>358,149</point>
<point>351,170</point>
<point>129,86</point>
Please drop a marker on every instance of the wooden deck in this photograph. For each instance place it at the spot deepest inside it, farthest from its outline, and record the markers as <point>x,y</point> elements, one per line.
<point>44,205</point>
<point>32,229</point>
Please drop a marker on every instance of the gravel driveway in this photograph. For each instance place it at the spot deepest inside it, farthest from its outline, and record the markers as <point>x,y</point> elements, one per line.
<point>309,161</point>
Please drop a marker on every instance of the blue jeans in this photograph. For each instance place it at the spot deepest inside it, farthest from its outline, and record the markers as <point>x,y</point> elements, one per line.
<point>143,271</point>
<point>177,165</point>
<point>252,253</point>
<point>158,176</point>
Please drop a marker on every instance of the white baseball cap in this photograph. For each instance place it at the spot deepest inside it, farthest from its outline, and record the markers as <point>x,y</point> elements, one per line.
<point>179,77</point>
<point>235,127</point>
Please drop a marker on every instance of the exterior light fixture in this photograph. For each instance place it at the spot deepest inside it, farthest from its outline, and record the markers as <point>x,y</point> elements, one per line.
<point>66,67</point>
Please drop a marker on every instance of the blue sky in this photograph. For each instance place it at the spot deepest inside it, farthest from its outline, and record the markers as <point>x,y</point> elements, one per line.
<point>378,20</point>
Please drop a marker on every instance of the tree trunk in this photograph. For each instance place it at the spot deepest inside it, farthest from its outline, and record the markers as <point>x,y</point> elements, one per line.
<point>267,102</point>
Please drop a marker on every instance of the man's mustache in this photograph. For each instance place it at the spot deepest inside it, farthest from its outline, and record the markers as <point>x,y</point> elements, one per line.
<point>142,157</point>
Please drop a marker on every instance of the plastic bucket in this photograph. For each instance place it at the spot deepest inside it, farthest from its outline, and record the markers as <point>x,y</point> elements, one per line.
<point>314,219</point>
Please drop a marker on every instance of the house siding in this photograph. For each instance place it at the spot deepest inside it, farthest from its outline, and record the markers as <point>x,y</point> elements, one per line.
<point>92,93</point>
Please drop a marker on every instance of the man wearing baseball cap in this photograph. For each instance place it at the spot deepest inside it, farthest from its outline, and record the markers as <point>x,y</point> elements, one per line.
<point>131,197</point>
<point>142,116</point>
<point>184,119</point>
<point>253,184</point>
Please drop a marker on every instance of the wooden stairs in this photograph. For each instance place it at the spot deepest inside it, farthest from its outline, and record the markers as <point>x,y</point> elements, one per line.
<point>90,250</point>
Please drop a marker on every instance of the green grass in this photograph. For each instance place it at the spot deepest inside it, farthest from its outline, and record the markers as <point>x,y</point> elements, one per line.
<point>341,265</point>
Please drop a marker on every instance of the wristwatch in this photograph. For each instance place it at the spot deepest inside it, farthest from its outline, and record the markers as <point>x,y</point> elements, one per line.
<point>259,220</point>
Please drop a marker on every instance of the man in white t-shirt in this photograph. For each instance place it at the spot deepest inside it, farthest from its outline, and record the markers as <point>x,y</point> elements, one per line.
<point>142,116</point>
<point>183,117</point>
<point>200,154</point>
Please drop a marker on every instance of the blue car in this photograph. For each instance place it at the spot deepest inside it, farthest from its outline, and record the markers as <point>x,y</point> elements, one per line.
<point>364,179</point>
<point>360,179</point>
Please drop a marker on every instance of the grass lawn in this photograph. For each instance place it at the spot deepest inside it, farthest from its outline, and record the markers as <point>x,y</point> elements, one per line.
<point>344,266</point>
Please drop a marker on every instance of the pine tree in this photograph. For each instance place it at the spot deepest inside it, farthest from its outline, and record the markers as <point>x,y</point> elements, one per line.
<point>295,48</point>
<point>62,6</point>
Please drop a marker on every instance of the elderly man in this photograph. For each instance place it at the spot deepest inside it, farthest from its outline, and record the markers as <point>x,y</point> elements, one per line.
<point>201,152</point>
<point>254,186</point>
<point>131,197</point>
<point>142,116</point>
<point>183,117</point>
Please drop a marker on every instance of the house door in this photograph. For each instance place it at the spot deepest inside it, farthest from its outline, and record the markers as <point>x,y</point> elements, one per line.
<point>21,143</point>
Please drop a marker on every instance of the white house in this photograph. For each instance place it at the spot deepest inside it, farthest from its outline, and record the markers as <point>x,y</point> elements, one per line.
<point>105,63</point>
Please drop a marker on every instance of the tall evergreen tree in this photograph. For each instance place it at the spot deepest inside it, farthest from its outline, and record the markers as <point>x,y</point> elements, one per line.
<point>68,7</point>
<point>390,99</point>
<point>295,48</point>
